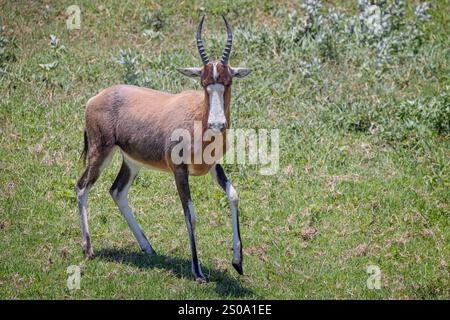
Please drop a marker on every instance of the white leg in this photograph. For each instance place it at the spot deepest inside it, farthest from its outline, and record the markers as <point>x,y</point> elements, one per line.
<point>119,192</point>
<point>82,196</point>
<point>83,186</point>
<point>219,175</point>
<point>234,202</point>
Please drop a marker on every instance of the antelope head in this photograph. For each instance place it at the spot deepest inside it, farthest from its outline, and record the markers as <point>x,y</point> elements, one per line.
<point>216,78</point>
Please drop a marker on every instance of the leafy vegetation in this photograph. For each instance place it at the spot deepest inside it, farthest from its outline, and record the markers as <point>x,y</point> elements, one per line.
<point>7,54</point>
<point>360,95</point>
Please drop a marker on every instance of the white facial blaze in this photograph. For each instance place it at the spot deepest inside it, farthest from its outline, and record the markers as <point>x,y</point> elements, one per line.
<point>216,116</point>
<point>215,73</point>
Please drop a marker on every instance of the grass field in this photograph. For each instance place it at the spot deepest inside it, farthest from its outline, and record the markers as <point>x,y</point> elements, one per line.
<point>364,153</point>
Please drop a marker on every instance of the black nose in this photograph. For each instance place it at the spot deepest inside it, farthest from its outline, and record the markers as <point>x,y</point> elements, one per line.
<point>217,127</point>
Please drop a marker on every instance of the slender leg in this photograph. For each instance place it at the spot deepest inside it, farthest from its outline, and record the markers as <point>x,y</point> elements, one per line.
<point>97,161</point>
<point>119,192</point>
<point>84,184</point>
<point>219,175</point>
<point>182,182</point>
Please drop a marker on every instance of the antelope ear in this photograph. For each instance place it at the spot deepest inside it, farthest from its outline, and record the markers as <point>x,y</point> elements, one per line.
<point>190,72</point>
<point>240,72</point>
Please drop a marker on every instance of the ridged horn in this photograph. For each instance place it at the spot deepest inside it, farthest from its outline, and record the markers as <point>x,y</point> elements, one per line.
<point>201,48</point>
<point>227,50</point>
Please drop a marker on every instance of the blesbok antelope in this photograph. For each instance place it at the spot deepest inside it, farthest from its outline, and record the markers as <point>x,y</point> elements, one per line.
<point>139,122</point>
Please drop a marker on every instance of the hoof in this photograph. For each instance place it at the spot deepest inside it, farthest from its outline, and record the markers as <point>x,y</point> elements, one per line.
<point>150,252</point>
<point>89,254</point>
<point>238,267</point>
<point>200,279</point>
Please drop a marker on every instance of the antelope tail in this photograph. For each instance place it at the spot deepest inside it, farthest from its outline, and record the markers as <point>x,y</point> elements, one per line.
<point>85,148</point>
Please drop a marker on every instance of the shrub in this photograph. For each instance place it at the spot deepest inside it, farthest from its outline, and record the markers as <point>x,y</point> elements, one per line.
<point>50,69</point>
<point>397,121</point>
<point>154,20</point>
<point>133,74</point>
<point>7,54</point>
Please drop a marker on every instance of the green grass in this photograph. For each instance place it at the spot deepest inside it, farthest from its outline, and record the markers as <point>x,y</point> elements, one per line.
<point>348,195</point>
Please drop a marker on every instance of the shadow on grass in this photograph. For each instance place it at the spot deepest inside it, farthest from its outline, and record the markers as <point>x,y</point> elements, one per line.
<point>181,268</point>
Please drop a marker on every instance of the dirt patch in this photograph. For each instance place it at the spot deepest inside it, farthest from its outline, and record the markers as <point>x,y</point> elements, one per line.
<point>260,251</point>
<point>9,189</point>
<point>289,170</point>
<point>221,264</point>
<point>308,233</point>
<point>333,181</point>
<point>173,247</point>
<point>39,148</point>
<point>64,252</point>
<point>359,251</point>
<point>427,233</point>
